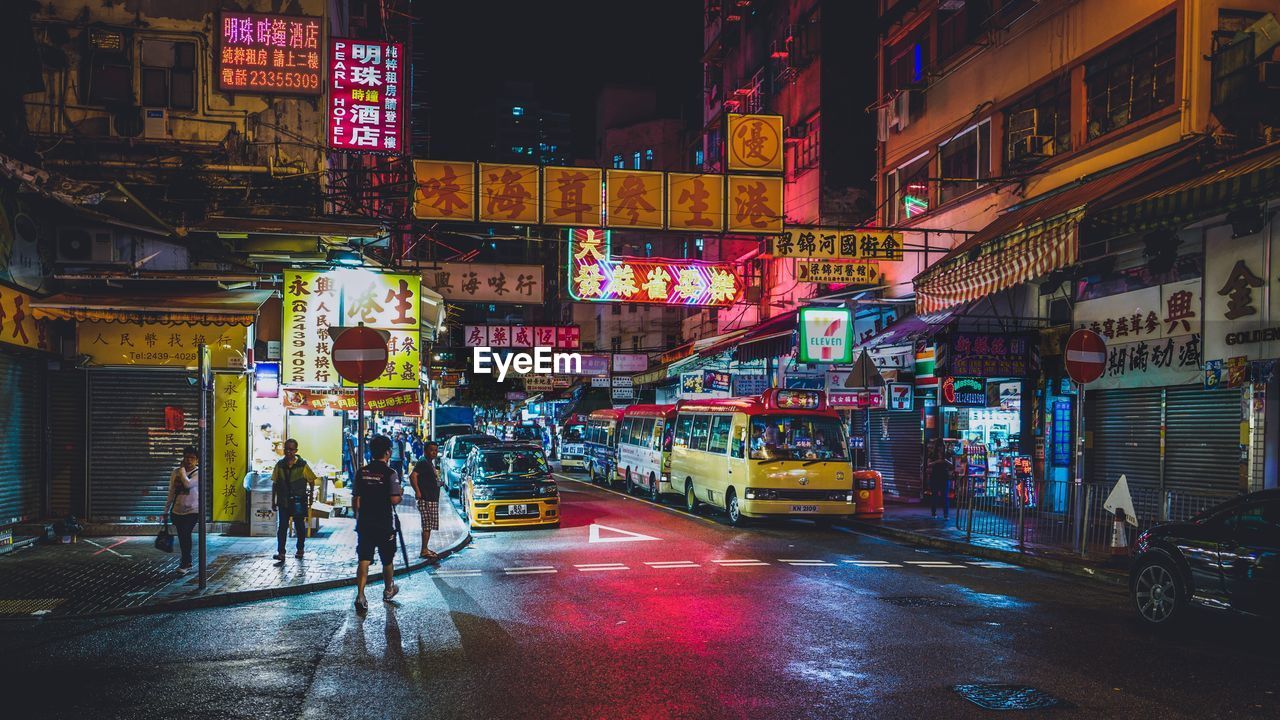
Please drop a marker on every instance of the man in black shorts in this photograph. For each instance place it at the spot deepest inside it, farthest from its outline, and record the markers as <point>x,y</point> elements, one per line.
<point>374,498</point>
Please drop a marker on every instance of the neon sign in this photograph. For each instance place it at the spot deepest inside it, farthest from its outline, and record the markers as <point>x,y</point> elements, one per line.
<point>274,54</point>
<point>365,77</point>
<point>596,276</point>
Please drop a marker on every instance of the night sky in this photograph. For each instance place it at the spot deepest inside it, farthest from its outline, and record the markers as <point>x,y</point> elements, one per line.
<point>568,48</point>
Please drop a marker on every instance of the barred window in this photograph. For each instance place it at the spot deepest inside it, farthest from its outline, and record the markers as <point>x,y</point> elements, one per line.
<point>1133,79</point>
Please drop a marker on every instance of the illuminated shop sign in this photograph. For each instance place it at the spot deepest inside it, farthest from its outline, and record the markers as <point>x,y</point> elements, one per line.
<point>964,391</point>
<point>826,335</point>
<point>365,81</point>
<point>596,276</point>
<point>270,54</point>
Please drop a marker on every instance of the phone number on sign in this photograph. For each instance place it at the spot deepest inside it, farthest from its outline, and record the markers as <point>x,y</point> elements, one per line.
<point>272,79</point>
<point>162,356</point>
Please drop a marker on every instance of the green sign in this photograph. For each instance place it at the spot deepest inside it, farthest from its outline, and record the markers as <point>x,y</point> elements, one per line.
<point>826,335</point>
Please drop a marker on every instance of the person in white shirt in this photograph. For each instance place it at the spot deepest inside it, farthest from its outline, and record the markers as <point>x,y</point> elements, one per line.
<point>184,502</point>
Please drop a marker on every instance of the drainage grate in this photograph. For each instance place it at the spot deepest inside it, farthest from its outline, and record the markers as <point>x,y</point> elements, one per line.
<point>1007,697</point>
<point>918,601</point>
<point>30,606</point>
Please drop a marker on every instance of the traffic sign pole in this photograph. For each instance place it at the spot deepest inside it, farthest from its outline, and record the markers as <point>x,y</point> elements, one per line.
<point>1086,360</point>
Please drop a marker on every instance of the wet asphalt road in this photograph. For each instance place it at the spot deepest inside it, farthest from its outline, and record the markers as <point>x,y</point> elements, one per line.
<point>546,623</point>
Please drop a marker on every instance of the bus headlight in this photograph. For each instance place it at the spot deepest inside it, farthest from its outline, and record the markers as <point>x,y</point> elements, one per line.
<point>547,489</point>
<point>760,494</point>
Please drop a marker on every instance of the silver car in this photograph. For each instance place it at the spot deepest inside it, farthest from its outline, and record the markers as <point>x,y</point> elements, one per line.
<point>453,457</point>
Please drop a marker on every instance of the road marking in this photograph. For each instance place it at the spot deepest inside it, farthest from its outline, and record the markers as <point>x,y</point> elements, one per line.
<point>740,563</point>
<point>108,548</point>
<point>933,564</point>
<point>673,564</point>
<point>531,567</point>
<point>530,571</point>
<point>455,573</point>
<point>874,564</point>
<point>996,565</point>
<point>626,535</point>
<point>601,567</point>
<point>808,563</point>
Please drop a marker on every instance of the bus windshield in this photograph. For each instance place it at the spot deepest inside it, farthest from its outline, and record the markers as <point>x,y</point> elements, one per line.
<point>499,466</point>
<point>797,437</point>
<point>573,433</point>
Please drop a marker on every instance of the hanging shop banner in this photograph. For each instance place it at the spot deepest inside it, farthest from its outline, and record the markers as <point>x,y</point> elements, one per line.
<point>485,283</point>
<point>316,301</point>
<point>964,391</point>
<point>695,202</point>
<point>837,244</point>
<point>750,385</point>
<point>1242,294</point>
<point>365,81</point>
<point>560,337</point>
<point>538,383</point>
<point>160,344</point>
<point>630,362</point>
<point>595,365</point>
<point>231,456</point>
<point>754,143</point>
<point>17,327</point>
<point>444,190</point>
<point>826,335</point>
<point>987,356</point>
<point>755,204</point>
<point>571,196</point>
<point>635,199</point>
<point>716,381</point>
<point>596,276</point>
<point>390,402</point>
<point>1152,313</point>
<point>268,54</point>
<point>1151,363</point>
<point>828,271</point>
<point>509,193</point>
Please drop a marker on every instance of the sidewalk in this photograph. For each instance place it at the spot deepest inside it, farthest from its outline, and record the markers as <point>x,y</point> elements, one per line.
<point>109,575</point>
<point>912,523</point>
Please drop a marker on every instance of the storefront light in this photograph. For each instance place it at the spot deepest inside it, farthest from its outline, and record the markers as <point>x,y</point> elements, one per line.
<point>345,257</point>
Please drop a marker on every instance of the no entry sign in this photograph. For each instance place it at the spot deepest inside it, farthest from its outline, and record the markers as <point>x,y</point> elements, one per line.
<point>360,354</point>
<point>1086,356</point>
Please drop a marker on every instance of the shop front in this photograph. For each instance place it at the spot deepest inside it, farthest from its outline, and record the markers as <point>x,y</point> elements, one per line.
<point>24,347</point>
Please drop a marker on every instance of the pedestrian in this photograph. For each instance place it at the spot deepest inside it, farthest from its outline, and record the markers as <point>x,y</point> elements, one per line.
<point>939,481</point>
<point>397,453</point>
<point>184,502</point>
<point>374,498</point>
<point>293,484</point>
<point>426,487</point>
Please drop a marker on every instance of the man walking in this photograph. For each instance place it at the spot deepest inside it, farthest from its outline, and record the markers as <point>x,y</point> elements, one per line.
<point>426,487</point>
<point>292,485</point>
<point>374,498</point>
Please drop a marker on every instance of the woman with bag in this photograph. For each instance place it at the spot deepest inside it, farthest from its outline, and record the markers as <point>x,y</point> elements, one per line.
<point>184,502</point>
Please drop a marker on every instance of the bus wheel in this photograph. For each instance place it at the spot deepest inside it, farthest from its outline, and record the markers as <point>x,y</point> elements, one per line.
<point>654,495</point>
<point>690,500</point>
<point>631,489</point>
<point>591,473</point>
<point>734,509</point>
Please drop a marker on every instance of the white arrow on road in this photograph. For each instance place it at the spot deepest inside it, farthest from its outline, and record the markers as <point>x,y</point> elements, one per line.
<point>623,535</point>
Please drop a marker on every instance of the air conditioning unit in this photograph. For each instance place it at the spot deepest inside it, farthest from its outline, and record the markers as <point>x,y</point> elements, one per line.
<point>155,124</point>
<point>1033,147</point>
<point>85,246</point>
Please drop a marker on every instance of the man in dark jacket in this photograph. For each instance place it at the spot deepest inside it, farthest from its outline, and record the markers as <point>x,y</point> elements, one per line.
<point>375,497</point>
<point>293,484</point>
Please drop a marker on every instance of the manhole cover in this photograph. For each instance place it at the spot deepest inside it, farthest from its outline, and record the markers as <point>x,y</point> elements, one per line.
<point>1007,697</point>
<point>917,601</point>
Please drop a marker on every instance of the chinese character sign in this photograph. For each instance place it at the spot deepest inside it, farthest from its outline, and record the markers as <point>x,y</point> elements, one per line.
<point>17,326</point>
<point>571,196</point>
<point>365,88</point>
<point>986,356</point>
<point>1155,362</point>
<point>755,204</point>
<point>1152,313</point>
<point>486,283</point>
<point>509,193</point>
<point>1242,294</point>
<point>595,275</point>
<point>444,190</point>
<point>160,344</point>
<point>390,402</point>
<point>230,454</point>
<point>560,337</point>
<point>836,271</point>
<point>754,143</point>
<point>270,54</point>
<point>695,202</point>
<point>835,243</point>
<point>635,199</point>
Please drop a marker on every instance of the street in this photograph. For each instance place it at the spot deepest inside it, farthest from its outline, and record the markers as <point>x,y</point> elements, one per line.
<point>662,615</point>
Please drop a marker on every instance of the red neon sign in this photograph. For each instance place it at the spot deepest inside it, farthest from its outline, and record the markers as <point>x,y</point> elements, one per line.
<point>274,54</point>
<point>366,78</point>
<point>596,275</point>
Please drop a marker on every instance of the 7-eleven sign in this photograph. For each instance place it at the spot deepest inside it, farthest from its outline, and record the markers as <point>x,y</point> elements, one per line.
<point>826,335</point>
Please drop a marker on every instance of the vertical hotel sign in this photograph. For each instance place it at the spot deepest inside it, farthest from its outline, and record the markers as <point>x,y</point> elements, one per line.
<point>316,301</point>
<point>365,81</point>
<point>231,435</point>
<point>270,54</point>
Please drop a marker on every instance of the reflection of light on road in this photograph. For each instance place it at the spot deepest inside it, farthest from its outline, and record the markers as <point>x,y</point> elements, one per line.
<point>991,600</point>
<point>827,670</point>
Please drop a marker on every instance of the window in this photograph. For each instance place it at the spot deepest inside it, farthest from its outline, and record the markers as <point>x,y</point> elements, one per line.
<point>907,61</point>
<point>631,308</point>
<point>796,437</point>
<point>698,158</point>
<point>517,111</point>
<point>964,161</point>
<point>648,159</point>
<point>1132,80</point>
<point>958,28</point>
<point>618,163</point>
<point>699,433</point>
<point>808,148</point>
<point>624,430</point>
<point>648,249</point>
<point>684,423</point>
<point>615,309</point>
<point>908,190</point>
<point>168,74</point>
<point>110,70</point>
<point>720,426</point>
<point>635,160</point>
<point>615,344</point>
<point>645,436</point>
<point>1045,115</point>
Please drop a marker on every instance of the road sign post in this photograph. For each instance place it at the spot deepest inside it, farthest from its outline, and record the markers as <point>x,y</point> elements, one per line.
<point>204,371</point>
<point>360,356</point>
<point>1086,360</point>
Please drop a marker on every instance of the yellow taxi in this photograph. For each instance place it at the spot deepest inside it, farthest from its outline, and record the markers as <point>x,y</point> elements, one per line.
<point>509,485</point>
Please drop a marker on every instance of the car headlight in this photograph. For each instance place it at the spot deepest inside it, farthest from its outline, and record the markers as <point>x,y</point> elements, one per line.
<point>482,493</point>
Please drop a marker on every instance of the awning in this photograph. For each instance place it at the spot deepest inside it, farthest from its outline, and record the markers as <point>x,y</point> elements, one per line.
<point>1229,186</point>
<point>907,330</point>
<point>690,356</point>
<point>1035,238</point>
<point>227,307</point>
<point>714,346</point>
<point>772,338</point>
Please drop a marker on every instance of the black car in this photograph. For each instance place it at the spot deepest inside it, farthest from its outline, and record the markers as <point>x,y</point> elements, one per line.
<point>1227,557</point>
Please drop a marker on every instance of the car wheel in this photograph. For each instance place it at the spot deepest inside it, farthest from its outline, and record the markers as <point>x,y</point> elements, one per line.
<point>654,495</point>
<point>1157,593</point>
<point>591,473</point>
<point>734,509</point>
<point>690,499</point>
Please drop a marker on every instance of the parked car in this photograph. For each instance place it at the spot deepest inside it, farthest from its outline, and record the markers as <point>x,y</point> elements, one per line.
<point>453,457</point>
<point>509,484</point>
<point>1226,557</point>
<point>444,432</point>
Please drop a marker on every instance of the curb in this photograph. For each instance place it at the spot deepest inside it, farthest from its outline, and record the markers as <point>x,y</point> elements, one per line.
<point>243,596</point>
<point>1062,567</point>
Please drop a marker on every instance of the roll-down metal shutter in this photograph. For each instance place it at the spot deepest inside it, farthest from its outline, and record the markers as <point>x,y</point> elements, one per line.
<point>21,437</point>
<point>895,451</point>
<point>131,453</point>
<point>67,450</point>
<point>1126,436</point>
<point>1202,454</point>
